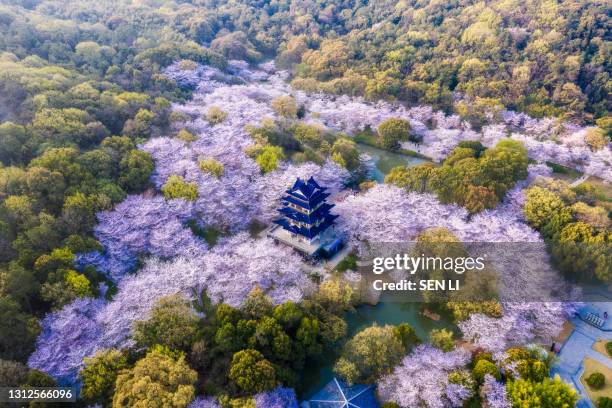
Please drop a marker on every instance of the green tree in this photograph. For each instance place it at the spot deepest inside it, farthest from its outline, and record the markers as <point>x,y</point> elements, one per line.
<point>596,139</point>
<point>99,374</point>
<point>172,323</point>
<point>215,115</point>
<point>212,167</point>
<point>393,131</point>
<point>46,187</point>
<point>18,331</point>
<point>550,393</point>
<point>269,157</point>
<point>540,206</point>
<point>251,372</point>
<point>257,304</point>
<point>141,126</point>
<point>65,127</point>
<point>285,106</point>
<point>156,380</point>
<point>177,187</point>
<point>13,144</point>
<point>345,153</point>
<point>407,336</point>
<point>79,212</point>
<point>484,367</point>
<point>369,354</point>
<point>336,295</point>
<point>442,339</point>
<point>417,178</point>
<point>135,169</point>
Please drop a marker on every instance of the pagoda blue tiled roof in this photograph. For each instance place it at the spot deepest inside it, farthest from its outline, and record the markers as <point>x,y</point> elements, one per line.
<point>304,209</point>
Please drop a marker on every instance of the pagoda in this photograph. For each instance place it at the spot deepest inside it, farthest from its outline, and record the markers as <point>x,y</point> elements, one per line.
<point>305,213</point>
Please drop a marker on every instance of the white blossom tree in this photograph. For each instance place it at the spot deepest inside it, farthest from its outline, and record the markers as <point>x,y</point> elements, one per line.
<point>421,379</point>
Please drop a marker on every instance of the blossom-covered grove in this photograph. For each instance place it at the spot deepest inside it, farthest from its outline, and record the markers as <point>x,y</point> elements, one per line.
<point>149,251</point>
<point>145,150</point>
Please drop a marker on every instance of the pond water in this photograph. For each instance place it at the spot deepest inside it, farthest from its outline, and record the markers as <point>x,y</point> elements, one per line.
<point>386,160</point>
<point>319,373</point>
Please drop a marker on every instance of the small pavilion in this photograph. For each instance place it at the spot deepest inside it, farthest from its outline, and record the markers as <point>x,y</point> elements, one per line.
<point>338,394</point>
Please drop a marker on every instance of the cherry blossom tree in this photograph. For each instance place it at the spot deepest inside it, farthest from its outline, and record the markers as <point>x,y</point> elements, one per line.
<point>421,379</point>
<point>143,225</point>
<point>277,398</point>
<point>204,402</point>
<point>228,272</point>
<point>522,323</point>
<point>495,393</point>
<point>68,336</point>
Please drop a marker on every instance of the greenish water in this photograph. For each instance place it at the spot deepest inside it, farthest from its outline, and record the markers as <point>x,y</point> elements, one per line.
<point>386,160</point>
<point>318,374</point>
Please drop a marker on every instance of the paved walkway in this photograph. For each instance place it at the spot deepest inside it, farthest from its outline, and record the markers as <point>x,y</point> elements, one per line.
<point>579,345</point>
<point>581,180</point>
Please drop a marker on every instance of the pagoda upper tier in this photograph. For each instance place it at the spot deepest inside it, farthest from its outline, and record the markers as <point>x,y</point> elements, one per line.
<point>305,211</point>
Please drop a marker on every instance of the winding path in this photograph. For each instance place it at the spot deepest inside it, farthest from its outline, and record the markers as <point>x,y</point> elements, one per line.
<point>579,181</point>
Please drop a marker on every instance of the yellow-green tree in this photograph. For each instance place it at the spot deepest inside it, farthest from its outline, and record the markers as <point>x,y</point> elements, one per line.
<point>157,380</point>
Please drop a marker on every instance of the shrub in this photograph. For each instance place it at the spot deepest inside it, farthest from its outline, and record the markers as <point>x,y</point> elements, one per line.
<point>269,158</point>
<point>186,136</point>
<point>484,367</point>
<point>212,167</point>
<point>215,115</point>
<point>483,355</point>
<point>285,106</point>
<point>442,339</point>
<point>609,348</point>
<point>604,402</point>
<point>393,131</point>
<point>551,392</point>
<point>177,187</point>
<point>596,380</point>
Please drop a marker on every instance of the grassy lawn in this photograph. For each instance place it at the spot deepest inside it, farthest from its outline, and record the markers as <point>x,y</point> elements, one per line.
<point>591,366</point>
<point>564,173</point>
<point>604,192</point>
<point>600,346</point>
<point>350,262</point>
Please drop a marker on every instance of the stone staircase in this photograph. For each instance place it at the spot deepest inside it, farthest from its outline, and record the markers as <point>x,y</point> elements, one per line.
<point>594,320</point>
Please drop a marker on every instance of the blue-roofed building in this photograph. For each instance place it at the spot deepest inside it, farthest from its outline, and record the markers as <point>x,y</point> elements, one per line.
<point>305,211</point>
<point>306,219</point>
<point>338,394</point>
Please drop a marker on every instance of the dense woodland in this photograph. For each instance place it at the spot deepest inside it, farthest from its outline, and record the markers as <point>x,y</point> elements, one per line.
<point>83,89</point>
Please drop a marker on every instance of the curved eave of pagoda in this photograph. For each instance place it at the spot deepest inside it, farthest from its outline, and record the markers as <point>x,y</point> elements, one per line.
<point>296,215</point>
<point>307,232</point>
<point>306,205</point>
